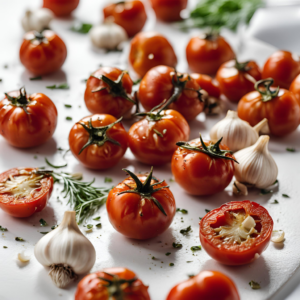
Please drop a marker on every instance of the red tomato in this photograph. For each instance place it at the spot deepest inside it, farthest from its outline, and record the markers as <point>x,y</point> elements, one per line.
<point>61,8</point>
<point>122,283</point>
<point>98,141</point>
<point>207,285</point>
<point>280,107</point>
<point>168,10</point>
<point>42,53</point>
<point>148,50</point>
<point>130,15</point>
<point>205,54</point>
<point>153,139</point>
<point>108,92</point>
<point>27,120</point>
<point>295,88</point>
<point>23,191</point>
<point>237,79</point>
<point>162,83</point>
<point>283,67</point>
<point>202,168</point>
<point>224,238</point>
<point>141,207</point>
<point>208,84</point>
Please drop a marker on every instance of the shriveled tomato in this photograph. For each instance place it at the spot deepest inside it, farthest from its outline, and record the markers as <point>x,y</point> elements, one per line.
<point>148,50</point>
<point>236,233</point>
<point>283,67</point>
<point>206,53</point>
<point>237,79</point>
<point>108,92</point>
<point>202,168</point>
<point>207,285</point>
<point>24,191</point>
<point>112,283</point>
<point>141,207</point>
<point>61,8</point>
<point>27,120</point>
<point>98,141</point>
<point>180,90</point>
<point>295,88</point>
<point>42,53</point>
<point>131,15</point>
<point>207,83</point>
<point>153,139</point>
<point>279,106</point>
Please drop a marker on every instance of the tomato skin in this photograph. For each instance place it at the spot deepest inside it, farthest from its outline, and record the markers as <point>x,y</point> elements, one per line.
<point>103,102</point>
<point>207,285</point>
<point>26,208</point>
<point>295,89</point>
<point>94,156</point>
<point>230,254</point>
<point>283,67</point>
<point>43,58</point>
<point>205,56</point>
<point>207,83</point>
<point>234,84</point>
<point>61,8</point>
<point>148,50</point>
<point>130,15</point>
<point>158,150</point>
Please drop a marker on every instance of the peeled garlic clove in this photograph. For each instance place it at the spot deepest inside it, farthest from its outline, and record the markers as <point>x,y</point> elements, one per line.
<point>239,189</point>
<point>277,236</point>
<point>37,20</point>
<point>248,223</point>
<point>22,257</point>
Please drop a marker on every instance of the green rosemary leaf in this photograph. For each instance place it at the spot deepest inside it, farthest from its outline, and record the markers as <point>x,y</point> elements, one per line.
<point>99,225</point>
<point>81,27</point>
<point>285,196</point>
<point>36,78</point>
<point>168,253</point>
<point>19,239</point>
<point>265,192</point>
<point>275,202</point>
<point>3,229</point>
<point>43,223</point>
<point>44,232</point>
<point>254,285</point>
<point>68,105</point>
<point>196,248</point>
<point>108,179</point>
<point>172,180</point>
<point>183,211</point>
<point>177,245</point>
<point>5,247</point>
<point>207,210</point>
<point>290,149</point>
<point>54,226</point>
<point>69,118</point>
<point>186,230</point>
<point>89,226</point>
<point>171,264</point>
<point>63,86</point>
<point>97,219</point>
<point>53,166</point>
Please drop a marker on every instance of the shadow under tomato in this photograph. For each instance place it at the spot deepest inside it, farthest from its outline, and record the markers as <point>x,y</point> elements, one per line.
<point>33,86</point>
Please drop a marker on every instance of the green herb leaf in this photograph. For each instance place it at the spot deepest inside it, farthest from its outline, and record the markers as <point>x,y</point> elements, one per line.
<point>3,229</point>
<point>81,27</point>
<point>0,79</point>
<point>196,248</point>
<point>19,239</point>
<point>276,181</point>
<point>99,225</point>
<point>168,253</point>
<point>200,218</point>
<point>153,258</point>
<point>207,210</point>
<point>265,192</point>
<point>171,264</point>
<point>68,105</point>
<point>177,245</point>
<point>4,247</point>
<point>183,211</point>
<point>108,179</point>
<point>275,202</point>
<point>285,196</point>
<point>172,180</point>
<point>69,118</point>
<point>54,226</point>
<point>63,86</point>
<point>186,230</point>
<point>53,166</point>
<point>43,223</point>
<point>290,149</point>
<point>44,232</point>
<point>89,226</point>
<point>189,261</point>
<point>137,81</point>
<point>254,285</point>
<point>36,78</point>
<point>97,218</point>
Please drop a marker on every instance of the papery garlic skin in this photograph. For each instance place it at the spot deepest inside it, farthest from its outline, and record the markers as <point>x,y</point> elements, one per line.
<point>37,20</point>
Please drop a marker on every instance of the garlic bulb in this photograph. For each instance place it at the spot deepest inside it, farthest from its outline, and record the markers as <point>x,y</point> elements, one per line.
<point>37,20</point>
<point>237,134</point>
<point>256,165</point>
<point>66,251</point>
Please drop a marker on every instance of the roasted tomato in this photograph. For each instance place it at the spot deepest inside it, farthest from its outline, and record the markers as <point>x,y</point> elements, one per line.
<point>283,67</point>
<point>236,233</point>
<point>130,15</point>
<point>61,8</point>
<point>42,53</point>
<point>168,10</point>
<point>207,285</point>
<point>98,141</point>
<point>112,283</point>
<point>279,106</point>
<point>183,92</point>
<point>141,207</point>
<point>295,88</point>
<point>202,168</point>
<point>205,54</point>
<point>237,79</point>
<point>148,50</point>
<point>24,191</point>
<point>108,92</point>
<point>27,120</point>
<point>153,139</point>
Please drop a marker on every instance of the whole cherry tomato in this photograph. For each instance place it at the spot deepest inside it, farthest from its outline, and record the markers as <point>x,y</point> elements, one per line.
<point>131,15</point>
<point>295,88</point>
<point>24,191</point>
<point>283,67</point>
<point>108,92</point>
<point>207,285</point>
<point>27,120</point>
<point>237,79</point>
<point>42,53</point>
<point>148,50</point>
<point>180,90</point>
<point>141,207</point>
<point>153,139</point>
<point>168,10</point>
<point>205,54</point>
<point>279,106</point>
<point>207,83</point>
<point>112,283</point>
<point>202,168</point>
<point>98,141</point>
<point>236,233</point>
<point>61,8</point>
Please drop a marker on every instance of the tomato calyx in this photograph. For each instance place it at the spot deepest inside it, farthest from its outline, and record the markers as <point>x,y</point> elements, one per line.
<point>152,115</point>
<point>242,66</point>
<point>266,93</point>
<point>146,189</point>
<point>211,35</point>
<point>21,101</point>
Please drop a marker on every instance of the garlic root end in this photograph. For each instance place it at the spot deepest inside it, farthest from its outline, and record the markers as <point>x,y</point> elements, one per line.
<point>62,275</point>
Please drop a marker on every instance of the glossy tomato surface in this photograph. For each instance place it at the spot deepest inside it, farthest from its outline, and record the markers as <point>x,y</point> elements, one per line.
<point>295,88</point>
<point>207,285</point>
<point>207,83</point>
<point>150,49</point>
<point>227,250</point>
<point>23,192</point>
<point>61,8</point>
<point>43,53</point>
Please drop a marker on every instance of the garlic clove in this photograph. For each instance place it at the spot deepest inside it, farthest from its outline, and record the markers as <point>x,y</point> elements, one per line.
<point>278,236</point>
<point>239,189</point>
<point>23,258</point>
<point>248,223</point>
